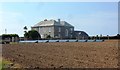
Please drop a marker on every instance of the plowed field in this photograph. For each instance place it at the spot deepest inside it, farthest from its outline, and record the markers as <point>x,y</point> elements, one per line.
<point>63,55</point>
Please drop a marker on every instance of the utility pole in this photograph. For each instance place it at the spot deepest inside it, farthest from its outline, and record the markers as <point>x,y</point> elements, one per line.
<point>5,31</point>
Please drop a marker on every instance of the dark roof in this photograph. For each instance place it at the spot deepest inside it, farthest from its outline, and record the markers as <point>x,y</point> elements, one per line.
<point>81,33</point>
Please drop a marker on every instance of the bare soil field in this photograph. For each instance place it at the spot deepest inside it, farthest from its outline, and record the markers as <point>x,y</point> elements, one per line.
<point>63,55</point>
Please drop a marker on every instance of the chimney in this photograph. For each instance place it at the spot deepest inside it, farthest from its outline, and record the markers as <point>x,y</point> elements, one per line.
<point>58,20</point>
<point>45,20</point>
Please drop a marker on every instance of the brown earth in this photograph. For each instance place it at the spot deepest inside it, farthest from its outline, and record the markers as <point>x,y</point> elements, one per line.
<point>63,55</point>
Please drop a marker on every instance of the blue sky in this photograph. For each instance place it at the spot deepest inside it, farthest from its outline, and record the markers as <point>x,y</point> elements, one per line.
<point>95,18</point>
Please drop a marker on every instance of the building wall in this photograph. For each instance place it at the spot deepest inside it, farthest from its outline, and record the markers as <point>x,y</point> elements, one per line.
<point>55,31</point>
<point>58,32</point>
<point>45,30</point>
<point>35,28</point>
<point>48,30</point>
<point>63,32</point>
<point>70,31</point>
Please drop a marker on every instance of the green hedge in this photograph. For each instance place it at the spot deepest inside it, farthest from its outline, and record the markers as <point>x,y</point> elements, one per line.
<point>9,35</point>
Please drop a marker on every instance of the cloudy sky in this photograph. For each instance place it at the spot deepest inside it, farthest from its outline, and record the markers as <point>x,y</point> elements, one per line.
<point>95,18</point>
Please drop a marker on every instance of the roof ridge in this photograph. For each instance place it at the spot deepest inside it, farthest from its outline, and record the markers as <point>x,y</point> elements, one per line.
<point>52,22</point>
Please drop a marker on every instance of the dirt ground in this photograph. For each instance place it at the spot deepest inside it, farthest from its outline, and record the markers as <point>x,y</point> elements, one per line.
<point>63,55</point>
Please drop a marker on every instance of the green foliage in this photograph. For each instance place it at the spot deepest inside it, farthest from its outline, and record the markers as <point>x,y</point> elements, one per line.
<point>48,36</point>
<point>9,36</point>
<point>97,36</point>
<point>32,34</point>
<point>26,35</point>
<point>5,64</point>
<point>25,28</point>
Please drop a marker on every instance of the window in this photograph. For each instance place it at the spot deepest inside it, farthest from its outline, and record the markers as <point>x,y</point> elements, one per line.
<point>59,35</point>
<point>49,30</point>
<point>71,36</point>
<point>59,29</point>
<point>71,30</point>
<point>66,32</point>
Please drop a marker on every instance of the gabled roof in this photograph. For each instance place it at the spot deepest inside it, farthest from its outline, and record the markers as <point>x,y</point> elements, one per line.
<point>64,23</point>
<point>52,23</point>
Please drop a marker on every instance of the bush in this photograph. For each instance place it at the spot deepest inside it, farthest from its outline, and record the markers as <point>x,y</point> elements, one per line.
<point>32,35</point>
<point>9,36</point>
<point>48,37</point>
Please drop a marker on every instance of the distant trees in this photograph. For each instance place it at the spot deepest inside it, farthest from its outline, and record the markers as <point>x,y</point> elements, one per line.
<point>10,37</point>
<point>108,37</point>
<point>100,36</point>
<point>97,36</point>
<point>32,35</point>
<point>117,36</point>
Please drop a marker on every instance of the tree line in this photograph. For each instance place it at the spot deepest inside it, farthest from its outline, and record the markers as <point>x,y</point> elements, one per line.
<point>105,37</point>
<point>9,36</point>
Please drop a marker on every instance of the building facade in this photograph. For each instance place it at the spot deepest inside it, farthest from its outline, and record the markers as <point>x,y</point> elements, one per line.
<point>56,29</point>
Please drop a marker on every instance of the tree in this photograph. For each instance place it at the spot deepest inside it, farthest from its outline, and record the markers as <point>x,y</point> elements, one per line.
<point>108,37</point>
<point>25,28</point>
<point>96,36</point>
<point>10,36</point>
<point>33,35</point>
<point>118,36</point>
<point>26,34</point>
<point>100,36</point>
<point>48,37</point>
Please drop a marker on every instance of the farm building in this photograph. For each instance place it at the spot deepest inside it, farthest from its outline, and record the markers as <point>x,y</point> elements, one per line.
<point>80,35</point>
<point>56,29</point>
